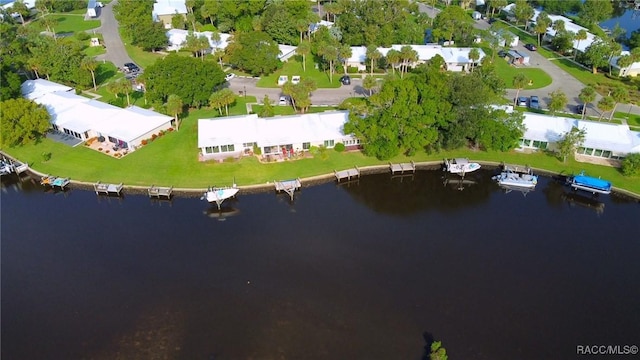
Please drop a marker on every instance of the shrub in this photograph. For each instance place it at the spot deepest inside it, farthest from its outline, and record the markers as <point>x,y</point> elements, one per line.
<point>108,151</point>
<point>314,150</point>
<point>229,159</point>
<point>82,36</point>
<point>143,142</point>
<point>352,69</point>
<point>46,156</point>
<point>339,147</point>
<point>631,164</point>
<point>153,137</point>
<point>99,149</point>
<point>257,150</point>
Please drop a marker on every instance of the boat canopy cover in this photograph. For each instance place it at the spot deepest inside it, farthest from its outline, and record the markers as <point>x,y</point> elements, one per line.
<point>592,182</point>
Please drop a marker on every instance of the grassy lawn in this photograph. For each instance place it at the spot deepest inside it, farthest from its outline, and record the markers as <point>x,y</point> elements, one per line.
<point>68,22</point>
<point>632,119</point>
<point>172,160</point>
<point>538,77</point>
<point>142,58</point>
<point>94,51</point>
<point>294,67</point>
<point>288,110</point>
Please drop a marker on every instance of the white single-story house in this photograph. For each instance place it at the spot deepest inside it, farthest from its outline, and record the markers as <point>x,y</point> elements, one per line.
<point>178,37</point>
<point>314,27</point>
<point>8,7</point>
<point>91,8</point>
<point>279,136</point>
<point>602,140</point>
<point>501,34</point>
<point>631,70</point>
<point>85,118</point>
<point>164,10</point>
<point>456,59</point>
<point>569,25</point>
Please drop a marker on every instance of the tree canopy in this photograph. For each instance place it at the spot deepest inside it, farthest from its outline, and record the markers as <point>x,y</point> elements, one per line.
<point>254,52</point>
<point>190,79</point>
<point>23,121</point>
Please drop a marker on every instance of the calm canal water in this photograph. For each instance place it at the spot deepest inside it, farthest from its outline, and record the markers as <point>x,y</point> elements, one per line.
<point>365,271</point>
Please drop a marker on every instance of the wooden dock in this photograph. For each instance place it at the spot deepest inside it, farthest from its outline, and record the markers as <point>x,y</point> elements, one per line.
<point>288,186</point>
<point>60,183</point>
<point>402,167</point>
<point>107,189</point>
<point>347,174</point>
<point>160,192</point>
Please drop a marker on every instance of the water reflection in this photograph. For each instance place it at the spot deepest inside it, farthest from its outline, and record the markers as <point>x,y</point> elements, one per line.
<point>425,191</point>
<point>221,214</point>
<point>590,202</point>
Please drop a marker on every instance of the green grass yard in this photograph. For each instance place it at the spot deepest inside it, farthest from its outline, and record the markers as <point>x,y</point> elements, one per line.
<point>538,77</point>
<point>294,67</point>
<point>68,23</point>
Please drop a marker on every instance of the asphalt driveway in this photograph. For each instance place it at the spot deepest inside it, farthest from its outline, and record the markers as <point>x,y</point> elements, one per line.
<point>116,52</point>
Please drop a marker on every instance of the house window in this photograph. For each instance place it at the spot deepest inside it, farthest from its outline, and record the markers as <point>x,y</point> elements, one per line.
<point>606,154</point>
<point>588,151</point>
<point>306,146</point>
<point>328,143</point>
<point>86,134</point>
<point>539,144</point>
<point>55,127</point>
<point>248,145</point>
<point>598,152</point>
<point>227,148</point>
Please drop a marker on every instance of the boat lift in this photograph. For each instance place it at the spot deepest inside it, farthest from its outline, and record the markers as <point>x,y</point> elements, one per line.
<point>288,186</point>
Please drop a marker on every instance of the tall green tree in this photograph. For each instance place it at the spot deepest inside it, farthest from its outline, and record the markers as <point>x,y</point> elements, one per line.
<point>580,35</point>
<point>519,82</point>
<point>496,5</point>
<point>174,107</point>
<point>21,9</point>
<point>523,12</point>
<point>344,53</point>
<point>571,140</point>
<point>23,122</point>
<point>304,49</point>
<point>542,23</point>
<point>329,53</point>
<point>452,22</point>
<point>620,95</point>
<point>597,54</point>
<point>474,56</point>
<point>369,83</point>
<point>373,55</point>
<point>438,352</point>
<point>501,131</point>
<point>254,52</point>
<point>393,58</point>
<point>558,100</point>
<point>587,95</point>
<point>408,56</point>
<point>605,104</point>
<point>9,83</point>
<point>594,11</point>
<point>190,79</point>
<point>90,64</point>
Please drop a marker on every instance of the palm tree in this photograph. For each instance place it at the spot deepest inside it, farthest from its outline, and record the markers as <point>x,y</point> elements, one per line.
<point>125,88</point>
<point>344,53</point>
<point>393,58</point>
<point>215,101</point>
<point>605,104</point>
<point>304,49</point>
<point>542,23</point>
<point>90,64</point>
<point>619,94</point>
<point>289,89</point>
<point>302,26</point>
<point>408,55</point>
<point>219,53</point>
<point>369,83</point>
<point>519,82</point>
<point>580,35</point>
<point>174,107</point>
<point>587,95</point>
<point>21,9</point>
<point>330,54</point>
<point>373,55</point>
<point>228,98</point>
<point>474,55</point>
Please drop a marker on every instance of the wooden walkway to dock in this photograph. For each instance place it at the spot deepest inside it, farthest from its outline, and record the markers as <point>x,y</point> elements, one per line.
<point>402,167</point>
<point>157,191</point>
<point>107,189</point>
<point>288,186</point>
<point>347,174</point>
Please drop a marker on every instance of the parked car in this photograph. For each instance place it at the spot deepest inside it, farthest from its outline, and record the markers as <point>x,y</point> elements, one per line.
<point>229,76</point>
<point>284,101</point>
<point>345,80</point>
<point>131,67</point>
<point>502,53</point>
<point>531,47</point>
<point>534,102</point>
<point>522,101</point>
<point>579,108</point>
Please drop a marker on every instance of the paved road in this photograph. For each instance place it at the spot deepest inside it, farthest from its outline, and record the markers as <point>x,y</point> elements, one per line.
<point>116,52</point>
<point>318,97</point>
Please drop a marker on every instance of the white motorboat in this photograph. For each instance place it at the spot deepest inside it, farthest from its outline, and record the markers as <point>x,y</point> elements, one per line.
<point>218,195</point>
<point>460,166</point>
<point>515,176</point>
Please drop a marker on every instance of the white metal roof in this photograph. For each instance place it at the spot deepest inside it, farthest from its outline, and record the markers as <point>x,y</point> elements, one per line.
<point>599,135</point>
<point>169,7</point>
<point>273,131</point>
<point>33,89</point>
<point>425,52</point>
<point>177,37</point>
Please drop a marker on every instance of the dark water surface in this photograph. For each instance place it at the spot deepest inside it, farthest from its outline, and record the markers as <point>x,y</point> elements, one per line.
<point>345,272</point>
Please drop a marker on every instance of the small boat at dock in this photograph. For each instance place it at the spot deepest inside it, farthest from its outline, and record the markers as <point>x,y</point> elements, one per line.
<point>460,166</point>
<point>589,183</point>
<point>515,176</point>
